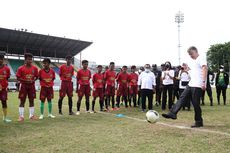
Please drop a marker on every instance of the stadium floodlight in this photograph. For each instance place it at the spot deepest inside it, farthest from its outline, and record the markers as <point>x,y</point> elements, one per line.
<point>179,18</point>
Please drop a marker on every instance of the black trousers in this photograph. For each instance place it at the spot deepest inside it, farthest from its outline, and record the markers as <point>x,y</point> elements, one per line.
<point>158,94</point>
<point>147,93</point>
<point>187,103</point>
<point>209,91</point>
<point>220,89</point>
<point>169,89</point>
<point>193,94</point>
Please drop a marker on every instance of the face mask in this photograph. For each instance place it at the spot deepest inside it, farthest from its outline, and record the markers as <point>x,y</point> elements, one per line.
<point>221,70</point>
<point>147,70</point>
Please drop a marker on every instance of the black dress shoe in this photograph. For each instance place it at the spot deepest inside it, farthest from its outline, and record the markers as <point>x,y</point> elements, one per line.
<point>170,115</point>
<point>197,125</point>
<point>60,113</point>
<point>71,113</point>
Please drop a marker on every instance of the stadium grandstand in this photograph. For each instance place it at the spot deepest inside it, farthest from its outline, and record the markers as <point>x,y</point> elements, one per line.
<point>15,43</point>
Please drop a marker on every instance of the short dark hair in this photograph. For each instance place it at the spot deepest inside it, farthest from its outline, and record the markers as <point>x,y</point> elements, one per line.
<point>2,54</point>
<point>26,55</point>
<point>133,67</point>
<point>84,61</point>
<point>124,66</point>
<point>68,57</point>
<point>99,66</point>
<point>111,63</point>
<point>46,60</point>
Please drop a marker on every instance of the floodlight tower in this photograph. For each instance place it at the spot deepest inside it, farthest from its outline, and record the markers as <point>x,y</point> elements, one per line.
<point>179,18</point>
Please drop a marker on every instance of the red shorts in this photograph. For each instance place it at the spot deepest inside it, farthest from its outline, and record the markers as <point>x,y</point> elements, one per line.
<point>98,92</point>
<point>133,90</point>
<point>46,92</point>
<point>66,88</point>
<point>110,90</point>
<point>83,90</point>
<point>27,89</point>
<point>3,95</point>
<point>122,90</point>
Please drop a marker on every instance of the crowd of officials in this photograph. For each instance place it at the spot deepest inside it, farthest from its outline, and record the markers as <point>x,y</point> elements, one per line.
<point>113,89</point>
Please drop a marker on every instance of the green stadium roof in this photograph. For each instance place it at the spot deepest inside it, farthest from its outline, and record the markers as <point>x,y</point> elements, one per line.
<point>15,42</point>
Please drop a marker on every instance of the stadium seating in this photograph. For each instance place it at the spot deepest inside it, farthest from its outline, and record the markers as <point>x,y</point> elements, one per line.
<point>15,64</point>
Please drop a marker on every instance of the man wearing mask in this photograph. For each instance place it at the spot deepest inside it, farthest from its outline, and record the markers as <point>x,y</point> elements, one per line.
<point>147,83</point>
<point>222,80</point>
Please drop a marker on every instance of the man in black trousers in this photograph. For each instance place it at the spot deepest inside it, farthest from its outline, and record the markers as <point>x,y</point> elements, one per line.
<point>198,73</point>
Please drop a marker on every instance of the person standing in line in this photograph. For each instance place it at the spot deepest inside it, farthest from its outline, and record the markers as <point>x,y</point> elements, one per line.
<point>198,73</point>
<point>27,74</point>
<point>222,81</point>
<point>167,77</point>
<point>133,88</point>
<point>66,73</point>
<point>184,78</point>
<point>147,83</point>
<point>4,76</point>
<point>157,73</point>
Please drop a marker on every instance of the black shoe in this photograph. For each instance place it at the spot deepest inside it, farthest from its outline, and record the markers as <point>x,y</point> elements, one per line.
<point>197,125</point>
<point>60,113</point>
<point>170,115</point>
<point>71,113</point>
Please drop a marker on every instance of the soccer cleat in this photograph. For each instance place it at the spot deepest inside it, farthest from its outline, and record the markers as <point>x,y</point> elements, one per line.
<point>51,116</point>
<point>41,117</point>
<point>33,118</point>
<point>78,113</point>
<point>20,119</point>
<point>6,120</point>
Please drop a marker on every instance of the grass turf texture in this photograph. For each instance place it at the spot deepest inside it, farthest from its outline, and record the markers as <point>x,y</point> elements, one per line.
<point>106,133</point>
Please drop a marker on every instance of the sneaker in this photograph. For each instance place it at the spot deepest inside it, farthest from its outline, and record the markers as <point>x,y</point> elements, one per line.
<point>33,117</point>
<point>20,119</point>
<point>78,113</point>
<point>6,120</point>
<point>51,116</point>
<point>87,111</point>
<point>41,117</point>
<point>92,112</point>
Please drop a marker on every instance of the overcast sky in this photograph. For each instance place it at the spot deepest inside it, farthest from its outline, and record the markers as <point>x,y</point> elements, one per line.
<point>124,31</point>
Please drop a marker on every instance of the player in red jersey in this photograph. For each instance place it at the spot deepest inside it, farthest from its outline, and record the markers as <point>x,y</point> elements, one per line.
<point>27,74</point>
<point>133,87</point>
<point>83,86</point>
<point>98,88</point>
<point>105,99</point>
<point>4,76</point>
<point>122,90</point>
<point>46,77</point>
<point>66,74</point>
<point>110,76</point>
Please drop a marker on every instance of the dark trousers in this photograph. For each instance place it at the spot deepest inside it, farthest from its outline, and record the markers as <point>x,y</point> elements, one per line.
<point>220,89</point>
<point>158,94</point>
<point>209,91</point>
<point>169,89</point>
<point>147,93</point>
<point>187,103</point>
<point>193,94</point>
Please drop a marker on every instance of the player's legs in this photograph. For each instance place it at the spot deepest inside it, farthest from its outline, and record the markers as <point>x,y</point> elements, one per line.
<point>4,110</point>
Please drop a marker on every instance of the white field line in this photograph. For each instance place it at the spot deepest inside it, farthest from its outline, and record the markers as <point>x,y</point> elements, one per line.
<point>171,125</point>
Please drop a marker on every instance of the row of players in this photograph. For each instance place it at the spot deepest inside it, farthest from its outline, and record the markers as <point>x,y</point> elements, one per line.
<point>103,85</point>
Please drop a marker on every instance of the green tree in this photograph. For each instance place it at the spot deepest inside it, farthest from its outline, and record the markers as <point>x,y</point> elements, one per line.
<point>219,54</point>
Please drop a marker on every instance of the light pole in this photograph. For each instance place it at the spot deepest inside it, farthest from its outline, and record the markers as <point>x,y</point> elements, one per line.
<point>179,18</point>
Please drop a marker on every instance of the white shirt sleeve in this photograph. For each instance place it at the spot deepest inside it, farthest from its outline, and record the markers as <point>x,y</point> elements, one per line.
<point>139,80</point>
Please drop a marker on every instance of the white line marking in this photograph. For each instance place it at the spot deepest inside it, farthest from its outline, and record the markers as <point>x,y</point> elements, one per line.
<point>170,125</point>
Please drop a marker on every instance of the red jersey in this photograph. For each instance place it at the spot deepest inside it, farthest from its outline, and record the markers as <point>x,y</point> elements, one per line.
<point>66,72</point>
<point>4,76</point>
<point>27,73</point>
<point>109,77</point>
<point>133,78</point>
<point>83,76</point>
<point>46,78</point>
<point>122,78</point>
<point>98,80</point>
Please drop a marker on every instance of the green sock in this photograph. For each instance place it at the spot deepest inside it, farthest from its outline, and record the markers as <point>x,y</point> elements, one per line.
<point>49,107</point>
<point>42,107</point>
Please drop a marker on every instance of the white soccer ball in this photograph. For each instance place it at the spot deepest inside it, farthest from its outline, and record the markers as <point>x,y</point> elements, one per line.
<point>152,116</point>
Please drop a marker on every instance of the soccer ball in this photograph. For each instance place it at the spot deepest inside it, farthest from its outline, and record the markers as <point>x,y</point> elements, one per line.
<point>152,116</point>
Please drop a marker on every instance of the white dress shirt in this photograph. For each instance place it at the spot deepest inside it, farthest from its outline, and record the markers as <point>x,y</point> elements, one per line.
<point>147,80</point>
